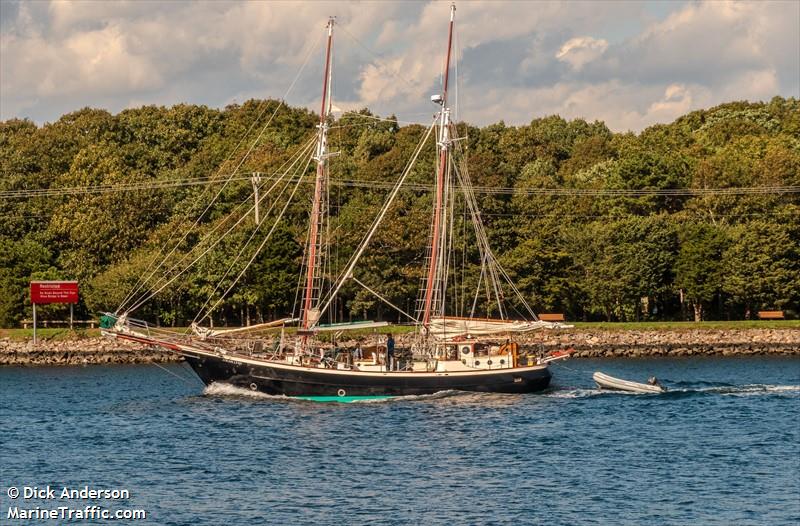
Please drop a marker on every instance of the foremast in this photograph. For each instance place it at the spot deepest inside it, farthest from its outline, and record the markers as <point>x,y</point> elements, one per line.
<point>435,282</point>
<point>313,280</point>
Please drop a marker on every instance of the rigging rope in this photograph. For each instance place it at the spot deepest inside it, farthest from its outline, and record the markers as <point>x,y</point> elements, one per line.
<point>244,247</point>
<point>143,282</point>
<point>150,295</point>
<point>241,161</point>
<point>379,59</point>
<point>493,266</point>
<point>264,242</point>
<point>383,299</point>
<point>363,245</point>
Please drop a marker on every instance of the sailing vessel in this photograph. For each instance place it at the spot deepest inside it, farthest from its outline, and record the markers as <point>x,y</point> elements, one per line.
<point>465,353</point>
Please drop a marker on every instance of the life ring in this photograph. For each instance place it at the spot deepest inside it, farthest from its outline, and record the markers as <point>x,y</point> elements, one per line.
<point>341,392</point>
<point>253,387</point>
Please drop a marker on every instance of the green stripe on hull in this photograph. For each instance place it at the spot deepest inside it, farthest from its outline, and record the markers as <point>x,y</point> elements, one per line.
<point>343,399</point>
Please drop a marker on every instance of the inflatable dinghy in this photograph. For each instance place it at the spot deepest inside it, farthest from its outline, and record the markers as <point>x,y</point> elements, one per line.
<point>604,381</point>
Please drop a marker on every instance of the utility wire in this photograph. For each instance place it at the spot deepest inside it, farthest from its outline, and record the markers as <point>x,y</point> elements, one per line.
<point>356,183</point>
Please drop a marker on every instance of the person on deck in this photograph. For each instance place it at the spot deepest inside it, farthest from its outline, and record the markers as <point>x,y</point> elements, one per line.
<point>389,352</point>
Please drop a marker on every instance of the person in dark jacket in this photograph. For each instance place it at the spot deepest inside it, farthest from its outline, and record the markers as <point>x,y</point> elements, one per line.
<point>389,352</point>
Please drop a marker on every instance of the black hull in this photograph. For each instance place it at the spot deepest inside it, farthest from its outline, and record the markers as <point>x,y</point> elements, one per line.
<point>302,381</point>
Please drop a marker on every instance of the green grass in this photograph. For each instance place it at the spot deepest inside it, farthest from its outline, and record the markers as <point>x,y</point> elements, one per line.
<point>49,333</point>
<point>687,325</point>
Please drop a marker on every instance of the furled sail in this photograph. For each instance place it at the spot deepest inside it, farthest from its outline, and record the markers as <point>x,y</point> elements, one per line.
<point>448,328</point>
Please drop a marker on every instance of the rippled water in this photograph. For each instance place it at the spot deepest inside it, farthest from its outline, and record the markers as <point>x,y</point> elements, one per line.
<point>722,447</point>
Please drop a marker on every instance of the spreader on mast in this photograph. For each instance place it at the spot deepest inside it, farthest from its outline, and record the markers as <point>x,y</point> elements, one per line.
<point>433,282</point>
<point>309,314</point>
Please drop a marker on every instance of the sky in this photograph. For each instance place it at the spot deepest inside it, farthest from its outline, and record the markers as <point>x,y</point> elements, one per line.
<point>631,64</point>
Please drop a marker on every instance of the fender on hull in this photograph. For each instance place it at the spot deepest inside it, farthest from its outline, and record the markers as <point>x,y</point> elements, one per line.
<point>300,381</point>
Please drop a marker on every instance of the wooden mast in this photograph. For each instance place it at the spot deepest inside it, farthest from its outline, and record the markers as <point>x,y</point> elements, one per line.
<point>440,175</point>
<point>316,207</point>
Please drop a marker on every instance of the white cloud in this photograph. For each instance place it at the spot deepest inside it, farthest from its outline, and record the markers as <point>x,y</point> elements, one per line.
<point>521,60</point>
<point>579,51</point>
<point>677,100</point>
<point>756,84</point>
<point>621,106</point>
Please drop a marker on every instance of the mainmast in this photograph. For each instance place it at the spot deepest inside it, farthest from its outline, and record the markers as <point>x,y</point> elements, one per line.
<point>314,248</point>
<point>443,143</point>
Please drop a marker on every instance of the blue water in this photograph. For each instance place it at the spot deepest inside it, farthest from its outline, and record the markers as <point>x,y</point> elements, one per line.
<point>722,448</point>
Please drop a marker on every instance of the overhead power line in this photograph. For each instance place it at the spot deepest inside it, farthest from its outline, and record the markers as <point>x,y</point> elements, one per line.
<point>109,188</point>
<point>355,183</point>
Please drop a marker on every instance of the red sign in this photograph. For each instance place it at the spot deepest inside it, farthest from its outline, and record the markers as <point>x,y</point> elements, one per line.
<point>54,292</point>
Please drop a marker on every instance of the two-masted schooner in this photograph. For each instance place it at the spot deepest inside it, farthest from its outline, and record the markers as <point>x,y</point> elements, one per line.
<point>467,353</point>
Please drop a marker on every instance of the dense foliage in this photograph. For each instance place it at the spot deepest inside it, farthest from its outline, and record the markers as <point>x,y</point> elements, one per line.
<point>622,257</point>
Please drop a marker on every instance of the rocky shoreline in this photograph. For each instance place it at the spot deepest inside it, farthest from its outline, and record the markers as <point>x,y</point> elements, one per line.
<point>80,351</point>
<point>587,344</point>
<point>697,342</point>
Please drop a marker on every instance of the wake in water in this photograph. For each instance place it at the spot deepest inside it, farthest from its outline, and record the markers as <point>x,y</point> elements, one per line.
<point>682,389</point>
<point>227,390</point>
<point>410,398</point>
<point>219,389</point>
<point>675,389</point>
<point>752,389</point>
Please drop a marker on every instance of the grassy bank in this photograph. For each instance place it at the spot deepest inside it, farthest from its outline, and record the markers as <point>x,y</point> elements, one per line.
<point>688,325</point>
<point>66,334</point>
<point>49,333</point>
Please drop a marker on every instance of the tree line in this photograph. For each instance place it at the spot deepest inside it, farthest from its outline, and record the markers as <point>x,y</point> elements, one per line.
<point>584,250</point>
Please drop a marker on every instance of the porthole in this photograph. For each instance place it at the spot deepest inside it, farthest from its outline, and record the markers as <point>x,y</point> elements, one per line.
<point>465,349</point>
<point>477,362</point>
<point>502,362</point>
<point>464,362</point>
<point>488,362</point>
<point>341,392</point>
<point>253,387</point>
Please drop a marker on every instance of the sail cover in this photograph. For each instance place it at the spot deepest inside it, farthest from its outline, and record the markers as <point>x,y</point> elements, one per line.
<point>352,326</point>
<point>448,328</point>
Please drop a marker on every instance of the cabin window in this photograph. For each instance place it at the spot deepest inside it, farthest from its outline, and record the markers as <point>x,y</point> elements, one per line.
<point>481,349</point>
<point>452,352</point>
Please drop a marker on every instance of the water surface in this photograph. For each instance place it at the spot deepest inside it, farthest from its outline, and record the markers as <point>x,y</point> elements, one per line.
<point>722,447</point>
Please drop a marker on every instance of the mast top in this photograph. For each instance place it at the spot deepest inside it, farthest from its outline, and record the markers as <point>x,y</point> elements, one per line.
<point>452,11</point>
